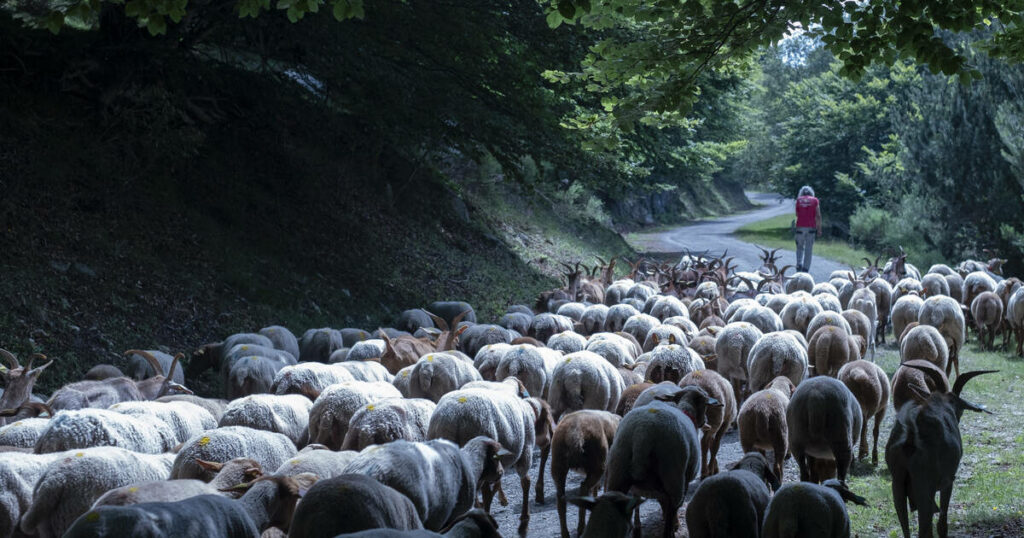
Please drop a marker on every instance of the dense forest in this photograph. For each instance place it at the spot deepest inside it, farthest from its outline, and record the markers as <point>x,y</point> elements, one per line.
<point>258,157</point>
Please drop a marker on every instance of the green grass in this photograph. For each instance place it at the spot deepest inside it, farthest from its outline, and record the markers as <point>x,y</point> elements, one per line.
<point>988,495</point>
<point>776,233</point>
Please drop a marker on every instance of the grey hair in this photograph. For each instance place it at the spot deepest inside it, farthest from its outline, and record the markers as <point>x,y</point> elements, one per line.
<point>806,190</point>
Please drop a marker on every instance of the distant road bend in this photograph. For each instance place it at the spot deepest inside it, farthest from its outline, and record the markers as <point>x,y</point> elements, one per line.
<point>715,236</point>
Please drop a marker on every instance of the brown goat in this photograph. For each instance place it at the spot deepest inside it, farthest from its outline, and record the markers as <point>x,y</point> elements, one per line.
<point>20,381</point>
<point>762,421</point>
<point>719,418</point>
<point>869,384</point>
<point>580,442</point>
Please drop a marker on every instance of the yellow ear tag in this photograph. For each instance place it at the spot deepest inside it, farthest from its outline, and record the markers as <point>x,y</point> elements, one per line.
<point>204,441</point>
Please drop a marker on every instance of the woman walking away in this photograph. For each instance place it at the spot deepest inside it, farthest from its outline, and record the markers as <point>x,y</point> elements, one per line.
<point>808,219</point>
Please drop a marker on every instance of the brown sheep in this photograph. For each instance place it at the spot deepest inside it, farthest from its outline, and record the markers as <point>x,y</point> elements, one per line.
<point>704,345</point>
<point>719,418</point>
<point>629,396</point>
<point>580,442</point>
<point>869,384</point>
<point>762,421</point>
<point>906,330</point>
<point>987,311</point>
<point>908,382</point>
<point>859,323</point>
<point>830,348</point>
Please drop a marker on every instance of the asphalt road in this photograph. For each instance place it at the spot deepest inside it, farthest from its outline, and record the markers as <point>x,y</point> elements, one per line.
<point>716,237</point>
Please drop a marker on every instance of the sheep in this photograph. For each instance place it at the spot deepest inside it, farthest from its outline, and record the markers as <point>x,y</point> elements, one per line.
<point>332,411</point>
<point>974,284</point>
<point>450,312</point>
<point>83,428</point>
<point>910,379</point>
<point>251,375</point>
<point>486,359</point>
<point>830,348</point>
<point>865,301</point>
<point>719,418</point>
<point>350,336</point>
<point>183,419</point>
<point>282,339</point>
<point>662,335</point>
<point>956,287</point>
<point>474,338</point>
<point>926,343</point>
<point>517,321</point>
<point>405,351</point>
<point>350,503</point>
<point>316,345</point>
<point>103,394</point>
<point>240,351</point>
<point>439,373</point>
<point>655,452</point>
<point>732,503</point>
<point>139,368</point>
<point>704,345</point>
<point>609,514</point>
<point>20,381</point>
<point>613,348</point>
<point>389,420</point>
<point>934,284</point>
<point>773,355</point>
<point>639,325</point>
<point>629,396</point>
<point>941,269</point>
<point>511,421</point>
<point>762,317</point>
<point>762,421</point>
<point>945,314</point>
<point>828,302</point>
<point>214,405</point>
<point>905,286</point>
<point>412,319</point>
<point>1015,318</point>
<point>545,325</point>
<point>904,311</point>
<point>824,420</point>
<point>24,432</point>
<point>67,489</point>
<point>402,379</point>
<point>883,306</point>
<point>268,501</point>
<point>870,386</point>
<point>567,342</point>
<point>438,477</point>
<point>318,460</point>
<point>666,307</point>
<point>987,311</point>
<point>287,414</point>
<point>593,319</point>
<point>798,313</point>
<point>210,355</point>
<point>802,509</point>
<point>309,378</point>
<point>584,380</point>
<point>365,350</point>
<point>617,316</point>
<point>800,282</point>
<point>776,302</point>
<point>670,363</point>
<point>269,449</point>
<point>102,371</point>
<point>475,523</point>
<point>573,311</point>
<point>732,349</point>
<point>19,473</point>
<point>735,306</point>
<point>684,324</point>
<point>924,449</point>
<point>825,287</point>
<point>580,442</point>
<point>832,319</point>
<point>230,473</point>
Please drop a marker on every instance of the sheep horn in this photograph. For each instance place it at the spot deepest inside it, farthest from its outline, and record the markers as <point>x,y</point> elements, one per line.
<point>9,357</point>
<point>149,358</point>
<point>963,378</point>
<point>440,323</point>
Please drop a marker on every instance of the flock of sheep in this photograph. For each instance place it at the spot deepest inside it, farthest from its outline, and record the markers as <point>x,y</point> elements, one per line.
<point>633,382</point>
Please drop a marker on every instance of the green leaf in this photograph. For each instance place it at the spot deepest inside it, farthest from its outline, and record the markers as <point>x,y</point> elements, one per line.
<point>54,22</point>
<point>554,19</point>
<point>156,25</point>
<point>567,9</point>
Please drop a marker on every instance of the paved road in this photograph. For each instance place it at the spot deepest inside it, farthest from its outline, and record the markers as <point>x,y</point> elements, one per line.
<point>716,237</point>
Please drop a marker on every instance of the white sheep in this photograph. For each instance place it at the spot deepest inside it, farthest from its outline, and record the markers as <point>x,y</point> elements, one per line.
<point>318,460</point>
<point>613,348</point>
<point>436,374</point>
<point>269,449</point>
<point>732,349</point>
<point>309,378</point>
<point>946,315</point>
<point>389,420</point>
<point>567,342</point>
<point>286,414</point>
<point>776,354</point>
<point>333,409</point>
<point>91,427</point>
<point>670,363</point>
<point>584,380</point>
<point>486,359</point>
<point>799,312</point>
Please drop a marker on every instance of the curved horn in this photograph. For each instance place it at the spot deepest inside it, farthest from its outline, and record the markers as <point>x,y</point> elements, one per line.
<point>440,323</point>
<point>930,370</point>
<point>11,360</point>
<point>174,364</point>
<point>149,358</point>
<point>32,359</point>
<point>214,466</point>
<point>963,378</point>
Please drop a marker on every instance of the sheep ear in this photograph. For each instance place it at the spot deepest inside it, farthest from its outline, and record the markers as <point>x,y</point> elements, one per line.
<point>503,452</point>
<point>586,503</point>
<point>210,465</point>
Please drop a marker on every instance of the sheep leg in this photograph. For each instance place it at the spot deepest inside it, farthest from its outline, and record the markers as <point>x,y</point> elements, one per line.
<point>736,389</point>
<point>587,487</point>
<point>670,513</point>
<point>715,444</point>
<point>779,450</point>
<point>501,493</point>
<point>487,491</point>
<point>944,495</point>
<point>843,457</point>
<point>863,451</point>
<point>899,499</point>
<point>801,461</point>
<point>878,422</point>
<point>637,525</point>
<point>560,503</point>
<point>705,463</point>
<point>524,517</point>
<point>540,474</point>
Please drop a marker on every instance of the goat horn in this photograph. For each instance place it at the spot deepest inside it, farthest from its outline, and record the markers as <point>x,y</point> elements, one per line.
<point>930,370</point>
<point>440,323</point>
<point>149,358</point>
<point>32,359</point>
<point>11,360</point>
<point>210,465</point>
<point>963,378</point>
<point>174,364</point>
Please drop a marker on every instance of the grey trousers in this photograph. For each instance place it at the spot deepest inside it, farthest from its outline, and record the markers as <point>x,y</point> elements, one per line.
<point>804,245</point>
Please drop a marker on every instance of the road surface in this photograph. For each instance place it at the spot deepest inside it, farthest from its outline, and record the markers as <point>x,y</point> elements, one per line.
<point>716,237</point>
